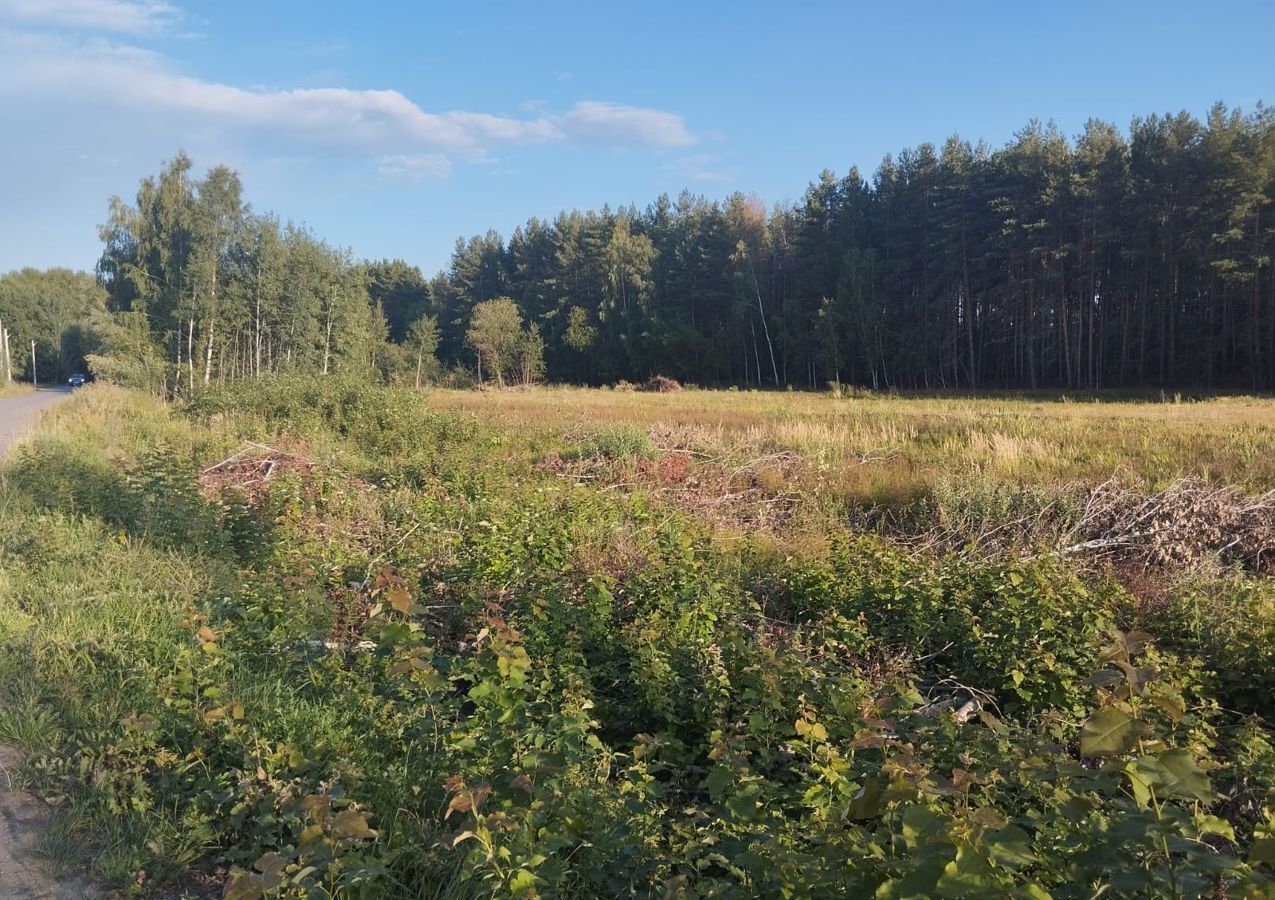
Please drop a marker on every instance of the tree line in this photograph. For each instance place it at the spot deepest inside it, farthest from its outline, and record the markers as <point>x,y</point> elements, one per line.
<point>1108,260</point>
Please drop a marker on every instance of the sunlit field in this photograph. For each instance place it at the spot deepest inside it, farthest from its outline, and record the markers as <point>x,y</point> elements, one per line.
<point>907,441</point>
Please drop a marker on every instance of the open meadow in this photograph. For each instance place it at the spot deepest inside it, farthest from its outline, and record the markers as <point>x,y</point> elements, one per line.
<point>314,637</point>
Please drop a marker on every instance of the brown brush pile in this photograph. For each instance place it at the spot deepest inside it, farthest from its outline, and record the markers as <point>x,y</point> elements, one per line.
<point>250,470</point>
<point>756,494</point>
<point>699,477</point>
<point>660,384</point>
<point>1187,524</point>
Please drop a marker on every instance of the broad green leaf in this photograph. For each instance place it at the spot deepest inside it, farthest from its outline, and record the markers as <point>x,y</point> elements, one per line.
<point>271,867</point>
<point>992,722</point>
<point>270,864</point>
<point>1105,678</point>
<point>1138,784</point>
<point>867,802</point>
<point>969,875</point>
<point>243,886</point>
<point>1207,824</point>
<point>1109,732</point>
<point>1010,847</point>
<point>1171,705</point>
<point>522,883</point>
<point>921,825</point>
<point>1262,850</point>
<point>1174,773</point>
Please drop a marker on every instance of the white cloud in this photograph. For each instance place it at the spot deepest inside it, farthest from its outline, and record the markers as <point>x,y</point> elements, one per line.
<point>384,123</point>
<point>698,167</point>
<point>414,168</point>
<point>120,16</point>
<point>607,121</point>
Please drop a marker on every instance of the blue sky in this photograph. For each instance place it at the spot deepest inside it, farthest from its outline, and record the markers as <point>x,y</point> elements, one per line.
<point>392,128</point>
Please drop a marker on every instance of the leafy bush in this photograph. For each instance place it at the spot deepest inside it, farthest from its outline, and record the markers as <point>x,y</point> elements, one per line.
<point>379,421</point>
<point>1228,621</point>
<point>621,442</point>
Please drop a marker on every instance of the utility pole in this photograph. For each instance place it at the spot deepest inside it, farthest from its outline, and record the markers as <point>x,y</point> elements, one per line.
<point>4,356</point>
<point>8,357</point>
<point>35,381</point>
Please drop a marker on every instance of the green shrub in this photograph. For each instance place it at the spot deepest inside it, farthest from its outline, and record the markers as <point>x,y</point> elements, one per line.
<point>379,421</point>
<point>1228,621</point>
<point>618,442</point>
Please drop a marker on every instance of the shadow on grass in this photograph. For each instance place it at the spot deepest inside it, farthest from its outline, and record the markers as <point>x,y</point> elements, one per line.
<point>157,499</point>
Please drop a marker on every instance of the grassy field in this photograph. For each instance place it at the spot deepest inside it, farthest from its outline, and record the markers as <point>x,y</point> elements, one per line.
<point>907,442</point>
<point>316,638</point>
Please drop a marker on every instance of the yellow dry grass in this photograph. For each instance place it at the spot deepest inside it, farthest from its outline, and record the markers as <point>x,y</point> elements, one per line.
<point>892,445</point>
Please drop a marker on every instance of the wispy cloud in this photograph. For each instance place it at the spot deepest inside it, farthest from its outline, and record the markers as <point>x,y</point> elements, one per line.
<point>384,124</point>
<point>414,168</point>
<point>117,16</point>
<point>698,167</point>
<point>606,121</point>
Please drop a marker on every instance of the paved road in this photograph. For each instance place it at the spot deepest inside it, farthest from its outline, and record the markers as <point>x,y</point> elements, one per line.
<point>23,874</point>
<point>19,412</point>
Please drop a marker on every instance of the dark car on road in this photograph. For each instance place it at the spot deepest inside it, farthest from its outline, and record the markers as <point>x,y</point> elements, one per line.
<point>77,380</point>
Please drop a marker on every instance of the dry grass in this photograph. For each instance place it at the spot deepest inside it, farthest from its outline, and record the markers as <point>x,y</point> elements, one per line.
<point>895,447</point>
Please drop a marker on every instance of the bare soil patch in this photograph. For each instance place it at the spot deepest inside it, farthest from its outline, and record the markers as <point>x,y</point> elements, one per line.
<point>23,871</point>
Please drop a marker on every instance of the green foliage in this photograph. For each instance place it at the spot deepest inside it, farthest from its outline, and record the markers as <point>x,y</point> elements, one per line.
<point>620,442</point>
<point>125,354</point>
<point>1155,245</point>
<point>48,307</point>
<point>503,347</point>
<point>380,422</point>
<point>1229,620</point>
<point>483,682</point>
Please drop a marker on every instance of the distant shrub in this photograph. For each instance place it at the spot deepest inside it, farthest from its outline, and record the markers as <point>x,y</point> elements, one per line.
<point>847,391</point>
<point>458,378</point>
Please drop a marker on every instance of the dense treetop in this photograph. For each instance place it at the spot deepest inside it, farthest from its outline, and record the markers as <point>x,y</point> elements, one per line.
<point>1107,260</point>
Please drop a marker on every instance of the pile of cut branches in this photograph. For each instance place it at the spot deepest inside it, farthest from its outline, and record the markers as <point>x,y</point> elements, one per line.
<point>1180,527</point>
<point>249,471</point>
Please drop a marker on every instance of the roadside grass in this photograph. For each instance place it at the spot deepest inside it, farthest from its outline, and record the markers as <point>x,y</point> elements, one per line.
<point>551,643</point>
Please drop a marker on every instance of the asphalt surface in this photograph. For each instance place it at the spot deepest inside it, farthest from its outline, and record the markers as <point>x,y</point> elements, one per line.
<point>23,868</point>
<point>20,412</point>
